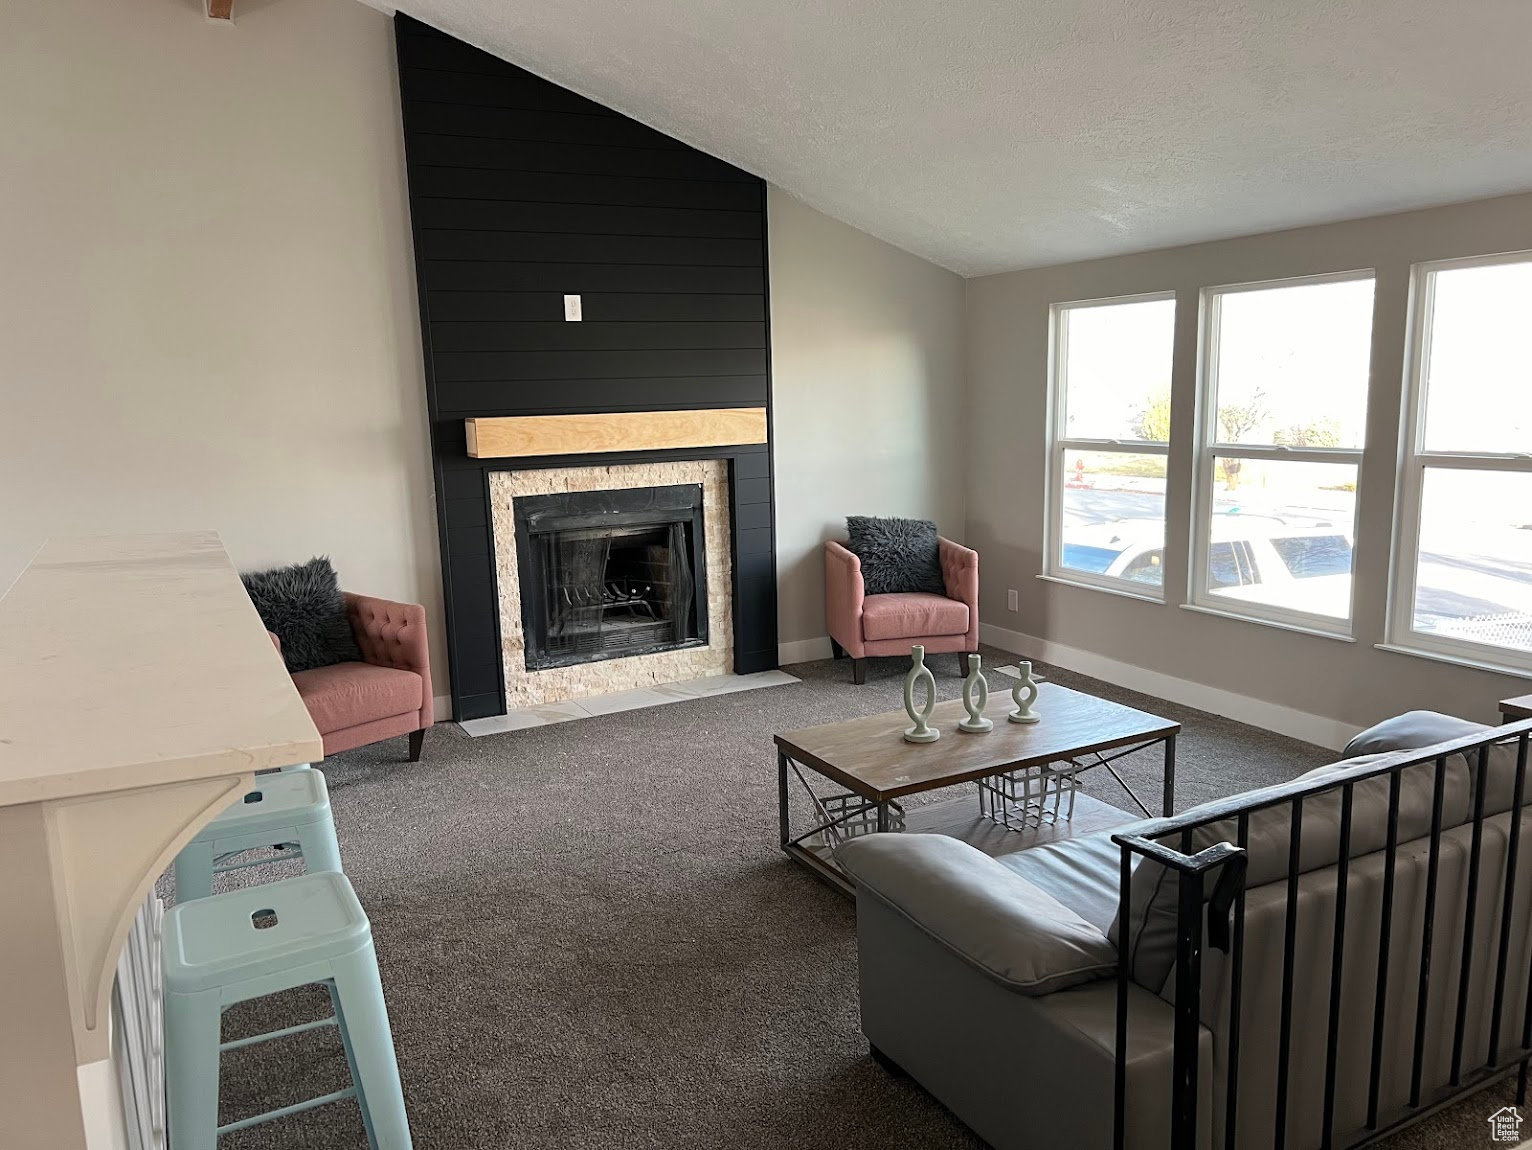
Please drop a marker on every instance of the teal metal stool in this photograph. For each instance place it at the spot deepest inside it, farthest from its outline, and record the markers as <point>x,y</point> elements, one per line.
<point>256,941</point>
<point>290,809</point>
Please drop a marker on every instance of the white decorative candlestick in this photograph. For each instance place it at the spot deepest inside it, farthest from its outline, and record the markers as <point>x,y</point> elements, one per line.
<point>975,699</point>
<point>922,731</point>
<point>1025,694</point>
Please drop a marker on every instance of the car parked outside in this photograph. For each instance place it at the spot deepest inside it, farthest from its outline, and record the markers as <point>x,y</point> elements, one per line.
<point>1254,558</point>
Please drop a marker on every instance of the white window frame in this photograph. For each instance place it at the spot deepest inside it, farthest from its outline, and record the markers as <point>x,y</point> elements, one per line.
<point>1413,462</point>
<point>1060,442</point>
<point>1209,448</point>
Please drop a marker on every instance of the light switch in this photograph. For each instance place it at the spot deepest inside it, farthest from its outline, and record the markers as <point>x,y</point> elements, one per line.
<point>572,309</point>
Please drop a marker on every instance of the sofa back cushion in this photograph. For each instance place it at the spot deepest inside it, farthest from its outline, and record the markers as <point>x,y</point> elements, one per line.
<point>1417,729</point>
<point>1151,930</point>
<point>1411,731</point>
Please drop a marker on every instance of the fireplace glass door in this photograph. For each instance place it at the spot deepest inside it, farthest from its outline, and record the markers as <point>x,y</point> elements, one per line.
<point>609,574</point>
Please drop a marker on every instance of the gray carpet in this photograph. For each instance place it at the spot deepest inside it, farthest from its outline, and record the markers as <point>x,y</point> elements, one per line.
<point>589,937</point>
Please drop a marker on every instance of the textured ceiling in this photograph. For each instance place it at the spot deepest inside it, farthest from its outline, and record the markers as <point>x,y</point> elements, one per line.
<point>987,135</point>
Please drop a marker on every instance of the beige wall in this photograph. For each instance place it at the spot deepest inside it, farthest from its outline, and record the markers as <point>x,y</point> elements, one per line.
<point>867,367</point>
<point>208,317</point>
<point>1352,683</point>
<point>207,296</point>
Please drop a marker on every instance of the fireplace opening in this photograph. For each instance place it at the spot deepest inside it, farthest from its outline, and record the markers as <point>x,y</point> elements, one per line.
<point>611,574</point>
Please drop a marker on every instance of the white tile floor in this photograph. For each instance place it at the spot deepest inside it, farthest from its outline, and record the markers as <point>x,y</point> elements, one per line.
<point>549,713</point>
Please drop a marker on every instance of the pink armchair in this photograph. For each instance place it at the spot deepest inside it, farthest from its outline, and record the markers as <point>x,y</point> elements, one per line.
<point>863,625</point>
<point>386,695</point>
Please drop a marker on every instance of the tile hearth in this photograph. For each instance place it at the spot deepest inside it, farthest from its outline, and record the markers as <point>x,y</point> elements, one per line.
<point>546,714</point>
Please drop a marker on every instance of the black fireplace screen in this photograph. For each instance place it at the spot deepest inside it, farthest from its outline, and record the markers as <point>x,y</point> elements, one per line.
<point>608,574</point>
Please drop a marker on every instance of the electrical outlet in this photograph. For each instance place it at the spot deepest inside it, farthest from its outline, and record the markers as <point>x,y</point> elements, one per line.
<point>1012,601</point>
<point>572,309</point>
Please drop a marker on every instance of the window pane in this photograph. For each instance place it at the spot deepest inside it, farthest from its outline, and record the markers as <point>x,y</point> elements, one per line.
<point>1114,515</point>
<point>1308,556</point>
<point>1146,568</point>
<point>1115,370</point>
<point>1292,364</point>
<point>1479,369</point>
<point>1473,580</point>
<point>1281,534</point>
<point>1230,565</point>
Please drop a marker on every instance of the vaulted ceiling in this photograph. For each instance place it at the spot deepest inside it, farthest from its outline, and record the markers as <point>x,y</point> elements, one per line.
<point>987,135</point>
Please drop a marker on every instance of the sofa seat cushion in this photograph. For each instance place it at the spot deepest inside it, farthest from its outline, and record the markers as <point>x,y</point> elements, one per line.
<point>345,694</point>
<point>912,614</point>
<point>1084,874</point>
<point>990,917</point>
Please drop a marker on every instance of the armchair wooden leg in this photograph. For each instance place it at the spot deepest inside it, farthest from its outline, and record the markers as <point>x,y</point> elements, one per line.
<point>417,739</point>
<point>859,671</point>
<point>836,650</point>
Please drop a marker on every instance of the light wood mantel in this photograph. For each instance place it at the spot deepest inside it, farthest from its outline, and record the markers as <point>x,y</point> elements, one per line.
<point>139,693</point>
<point>501,437</point>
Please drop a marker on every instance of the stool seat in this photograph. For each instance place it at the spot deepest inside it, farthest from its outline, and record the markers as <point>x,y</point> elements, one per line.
<point>252,942</point>
<point>219,941</point>
<point>279,812</point>
<point>282,800</point>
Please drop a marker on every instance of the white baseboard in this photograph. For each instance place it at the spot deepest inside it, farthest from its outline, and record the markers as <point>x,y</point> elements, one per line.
<point>1331,733</point>
<point>441,709</point>
<point>804,650</point>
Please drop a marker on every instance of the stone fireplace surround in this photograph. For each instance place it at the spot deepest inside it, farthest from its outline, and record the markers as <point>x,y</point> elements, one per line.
<point>525,688</point>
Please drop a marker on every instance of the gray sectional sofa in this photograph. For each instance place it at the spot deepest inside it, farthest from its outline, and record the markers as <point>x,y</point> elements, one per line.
<point>994,981</point>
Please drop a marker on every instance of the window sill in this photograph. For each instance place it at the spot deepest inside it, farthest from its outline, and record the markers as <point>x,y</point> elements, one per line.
<point>1457,660</point>
<point>1121,592</point>
<point>1299,628</point>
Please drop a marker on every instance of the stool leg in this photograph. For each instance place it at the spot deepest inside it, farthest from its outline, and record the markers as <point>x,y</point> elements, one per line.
<point>193,1030</point>
<point>194,872</point>
<point>365,1030</point>
<point>320,849</point>
<point>356,1078</point>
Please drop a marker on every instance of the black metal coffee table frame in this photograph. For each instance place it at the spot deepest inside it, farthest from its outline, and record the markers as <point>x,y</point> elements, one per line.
<point>848,813</point>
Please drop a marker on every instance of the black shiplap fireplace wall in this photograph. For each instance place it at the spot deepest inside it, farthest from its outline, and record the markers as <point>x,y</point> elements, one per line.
<point>522,191</point>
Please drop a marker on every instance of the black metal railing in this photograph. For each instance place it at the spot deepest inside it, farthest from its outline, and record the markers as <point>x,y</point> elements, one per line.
<point>1211,890</point>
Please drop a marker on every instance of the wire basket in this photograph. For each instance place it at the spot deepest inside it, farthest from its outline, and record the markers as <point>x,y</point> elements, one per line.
<point>1031,797</point>
<point>848,816</point>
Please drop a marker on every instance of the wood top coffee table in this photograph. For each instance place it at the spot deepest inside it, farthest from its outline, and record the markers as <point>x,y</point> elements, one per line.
<point>1513,710</point>
<point>876,767</point>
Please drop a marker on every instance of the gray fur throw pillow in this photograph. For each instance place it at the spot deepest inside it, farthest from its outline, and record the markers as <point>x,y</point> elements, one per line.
<point>302,606</point>
<point>897,554</point>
